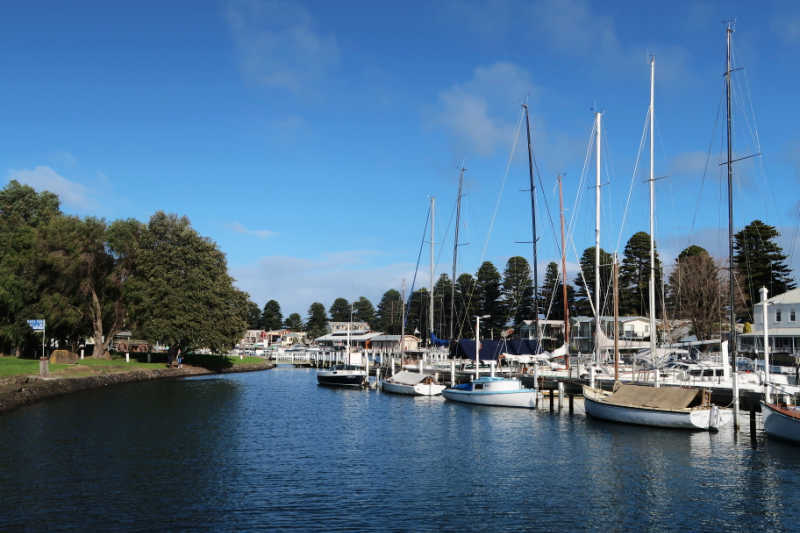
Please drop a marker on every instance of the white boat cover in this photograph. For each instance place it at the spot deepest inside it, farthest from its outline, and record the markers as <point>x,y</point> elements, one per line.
<point>407,378</point>
<point>668,398</point>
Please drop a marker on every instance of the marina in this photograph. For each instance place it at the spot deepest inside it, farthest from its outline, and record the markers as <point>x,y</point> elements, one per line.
<point>273,450</point>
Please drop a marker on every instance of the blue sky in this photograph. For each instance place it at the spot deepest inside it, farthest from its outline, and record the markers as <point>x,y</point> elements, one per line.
<point>306,138</point>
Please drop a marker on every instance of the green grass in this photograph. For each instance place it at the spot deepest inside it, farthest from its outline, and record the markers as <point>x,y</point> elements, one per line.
<point>11,366</point>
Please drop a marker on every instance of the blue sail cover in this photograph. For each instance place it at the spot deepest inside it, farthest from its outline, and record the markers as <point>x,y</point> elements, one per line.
<point>491,349</point>
<point>439,342</point>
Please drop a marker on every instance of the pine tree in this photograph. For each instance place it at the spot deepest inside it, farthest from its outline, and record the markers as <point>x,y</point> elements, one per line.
<point>317,323</point>
<point>553,289</point>
<point>518,291</point>
<point>294,322</point>
<point>760,262</point>
<point>467,305</point>
<point>364,311</point>
<point>488,291</point>
<point>442,294</point>
<point>340,310</point>
<point>634,277</point>
<point>272,318</point>
<point>388,313</point>
<point>582,296</point>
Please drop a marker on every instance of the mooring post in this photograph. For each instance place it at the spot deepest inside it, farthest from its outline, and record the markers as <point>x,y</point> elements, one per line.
<point>149,356</point>
<point>571,402</point>
<point>753,425</point>
<point>560,394</point>
<point>44,366</point>
<point>551,389</point>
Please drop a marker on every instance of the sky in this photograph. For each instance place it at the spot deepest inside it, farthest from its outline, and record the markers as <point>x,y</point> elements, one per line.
<point>306,138</point>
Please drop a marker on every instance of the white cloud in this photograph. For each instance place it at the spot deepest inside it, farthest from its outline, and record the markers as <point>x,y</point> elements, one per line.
<point>238,227</point>
<point>278,45</point>
<point>44,178</point>
<point>466,109</point>
<point>298,282</point>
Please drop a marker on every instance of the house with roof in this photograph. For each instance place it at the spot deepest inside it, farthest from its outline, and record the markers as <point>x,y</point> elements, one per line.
<point>783,326</point>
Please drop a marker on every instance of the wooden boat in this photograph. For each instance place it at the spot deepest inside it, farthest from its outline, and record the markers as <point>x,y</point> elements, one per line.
<point>495,391</point>
<point>668,407</point>
<point>781,421</point>
<point>412,384</point>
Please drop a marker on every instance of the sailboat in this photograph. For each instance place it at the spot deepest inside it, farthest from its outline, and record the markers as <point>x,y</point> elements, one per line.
<point>671,407</point>
<point>493,390</point>
<point>347,374</point>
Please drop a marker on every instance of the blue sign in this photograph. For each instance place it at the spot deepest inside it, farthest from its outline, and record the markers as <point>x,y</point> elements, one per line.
<point>36,325</point>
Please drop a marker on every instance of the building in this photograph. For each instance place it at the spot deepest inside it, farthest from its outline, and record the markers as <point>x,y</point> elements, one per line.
<point>783,321</point>
<point>634,333</point>
<point>391,343</point>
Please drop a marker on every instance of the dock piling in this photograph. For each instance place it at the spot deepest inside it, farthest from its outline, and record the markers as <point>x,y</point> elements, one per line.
<point>571,404</point>
<point>753,441</point>
<point>551,389</point>
<point>560,394</point>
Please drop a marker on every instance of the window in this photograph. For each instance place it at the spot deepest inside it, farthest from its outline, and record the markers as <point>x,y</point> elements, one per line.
<point>778,315</point>
<point>791,315</point>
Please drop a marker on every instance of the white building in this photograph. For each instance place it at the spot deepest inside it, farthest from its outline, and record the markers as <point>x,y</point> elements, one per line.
<point>783,321</point>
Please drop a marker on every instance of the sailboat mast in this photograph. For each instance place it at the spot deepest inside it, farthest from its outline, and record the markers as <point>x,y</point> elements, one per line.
<point>732,337</point>
<point>533,230</point>
<point>598,126</point>
<point>455,253</point>
<point>430,296</point>
<point>652,283</point>
<point>403,319</point>
<point>564,272</point>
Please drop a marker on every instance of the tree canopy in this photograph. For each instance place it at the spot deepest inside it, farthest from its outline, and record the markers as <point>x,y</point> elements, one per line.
<point>271,318</point>
<point>340,310</point>
<point>634,277</point>
<point>317,322</point>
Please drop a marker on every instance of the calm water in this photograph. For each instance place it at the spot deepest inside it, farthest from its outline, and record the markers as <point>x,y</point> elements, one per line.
<point>272,450</point>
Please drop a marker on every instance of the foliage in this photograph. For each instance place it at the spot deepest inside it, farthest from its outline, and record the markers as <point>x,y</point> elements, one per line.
<point>317,322</point>
<point>552,294</point>
<point>388,315</point>
<point>518,291</point>
<point>634,277</point>
<point>253,315</point>
<point>584,295</point>
<point>467,305</point>
<point>696,291</point>
<point>294,322</point>
<point>340,310</point>
<point>180,293</point>
<point>364,311</point>
<point>760,262</point>
<point>488,291</point>
<point>417,314</point>
<point>442,297</point>
<point>271,318</point>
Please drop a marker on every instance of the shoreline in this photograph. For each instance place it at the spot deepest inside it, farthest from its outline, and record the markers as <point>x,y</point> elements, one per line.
<point>19,391</point>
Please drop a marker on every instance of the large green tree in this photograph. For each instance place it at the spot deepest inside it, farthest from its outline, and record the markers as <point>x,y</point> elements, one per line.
<point>760,262</point>
<point>442,296</point>
<point>340,310</point>
<point>467,306</point>
<point>634,277</point>
<point>23,212</point>
<point>294,322</point>
<point>552,294</point>
<point>585,283</point>
<point>518,291</point>
<point>253,315</point>
<point>272,318</point>
<point>180,293</point>
<point>364,311</point>
<point>388,314</point>
<point>489,291</point>
<point>317,322</point>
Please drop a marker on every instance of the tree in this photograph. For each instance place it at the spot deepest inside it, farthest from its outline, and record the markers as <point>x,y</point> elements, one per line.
<point>442,297</point>
<point>518,290</point>
<point>583,296</point>
<point>253,315</point>
<point>364,311</point>
<point>23,212</point>
<point>487,289</point>
<point>467,305</point>
<point>552,294</point>
<point>317,323</point>
<point>271,318</point>
<point>180,293</point>
<point>760,262</point>
<point>634,277</point>
<point>388,316</point>
<point>294,322</point>
<point>696,289</point>
<point>340,310</point>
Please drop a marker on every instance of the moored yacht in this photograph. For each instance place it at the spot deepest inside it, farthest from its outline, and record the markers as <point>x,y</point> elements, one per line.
<point>496,391</point>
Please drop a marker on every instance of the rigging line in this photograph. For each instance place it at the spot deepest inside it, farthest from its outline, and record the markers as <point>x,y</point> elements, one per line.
<point>582,180</point>
<point>708,160</point>
<point>445,238</point>
<point>586,285</point>
<point>544,196</point>
<point>633,179</point>
<point>419,256</point>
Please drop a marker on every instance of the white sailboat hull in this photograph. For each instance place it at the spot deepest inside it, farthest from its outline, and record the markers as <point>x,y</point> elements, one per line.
<point>520,398</point>
<point>419,389</point>
<point>782,426</point>
<point>710,418</point>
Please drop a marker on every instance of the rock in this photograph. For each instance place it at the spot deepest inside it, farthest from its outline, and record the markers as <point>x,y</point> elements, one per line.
<point>64,357</point>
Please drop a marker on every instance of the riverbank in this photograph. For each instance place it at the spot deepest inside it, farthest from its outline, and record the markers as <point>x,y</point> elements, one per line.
<point>19,390</point>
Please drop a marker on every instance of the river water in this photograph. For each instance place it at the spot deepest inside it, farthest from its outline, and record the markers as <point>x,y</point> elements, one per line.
<point>273,451</point>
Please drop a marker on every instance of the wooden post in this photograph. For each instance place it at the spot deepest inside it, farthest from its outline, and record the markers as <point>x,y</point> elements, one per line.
<point>753,441</point>
<point>44,366</point>
<point>551,389</point>
<point>616,319</point>
<point>571,403</point>
<point>560,394</point>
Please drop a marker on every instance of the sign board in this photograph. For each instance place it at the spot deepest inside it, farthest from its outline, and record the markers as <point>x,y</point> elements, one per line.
<point>36,325</point>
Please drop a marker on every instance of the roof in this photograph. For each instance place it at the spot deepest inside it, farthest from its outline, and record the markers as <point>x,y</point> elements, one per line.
<point>391,338</point>
<point>788,297</point>
<point>355,338</point>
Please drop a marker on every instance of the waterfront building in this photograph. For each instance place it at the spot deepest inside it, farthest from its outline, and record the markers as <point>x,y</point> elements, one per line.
<point>783,321</point>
